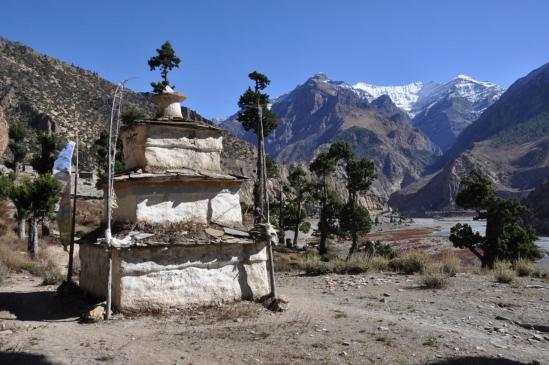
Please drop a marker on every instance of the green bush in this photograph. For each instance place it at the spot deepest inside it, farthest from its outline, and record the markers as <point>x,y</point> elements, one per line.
<point>414,262</point>
<point>385,250</point>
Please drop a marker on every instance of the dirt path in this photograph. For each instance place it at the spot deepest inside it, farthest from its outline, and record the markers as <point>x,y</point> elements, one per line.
<point>363,319</point>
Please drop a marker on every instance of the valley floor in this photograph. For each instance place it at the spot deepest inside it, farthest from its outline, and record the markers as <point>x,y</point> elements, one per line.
<point>375,318</point>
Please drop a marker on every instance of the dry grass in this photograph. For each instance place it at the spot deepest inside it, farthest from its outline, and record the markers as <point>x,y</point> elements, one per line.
<point>451,264</point>
<point>379,263</point>
<point>414,262</point>
<point>503,272</point>
<point>435,277</point>
<point>523,267</point>
<point>4,271</point>
<point>315,266</point>
<point>541,274</point>
<point>14,257</point>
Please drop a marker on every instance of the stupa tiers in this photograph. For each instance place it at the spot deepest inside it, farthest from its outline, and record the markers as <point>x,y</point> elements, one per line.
<point>181,240</point>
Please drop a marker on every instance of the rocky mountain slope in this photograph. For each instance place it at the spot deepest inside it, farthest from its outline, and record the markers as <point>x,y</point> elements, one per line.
<point>46,93</point>
<point>509,143</point>
<point>322,111</point>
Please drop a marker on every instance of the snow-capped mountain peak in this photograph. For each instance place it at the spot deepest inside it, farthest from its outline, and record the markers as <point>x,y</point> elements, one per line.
<point>404,96</point>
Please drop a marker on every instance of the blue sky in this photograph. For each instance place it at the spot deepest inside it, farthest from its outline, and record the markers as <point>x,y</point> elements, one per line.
<point>383,42</point>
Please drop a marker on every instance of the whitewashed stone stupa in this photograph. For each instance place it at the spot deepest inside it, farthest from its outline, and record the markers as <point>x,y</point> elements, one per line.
<point>180,239</point>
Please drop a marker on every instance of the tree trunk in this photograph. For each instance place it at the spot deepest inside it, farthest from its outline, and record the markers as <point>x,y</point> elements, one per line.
<point>45,227</point>
<point>323,246</point>
<point>298,221</point>
<point>260,204</point>
<point>21,222</point>
<point>353,245</point>
<point>33,237</point>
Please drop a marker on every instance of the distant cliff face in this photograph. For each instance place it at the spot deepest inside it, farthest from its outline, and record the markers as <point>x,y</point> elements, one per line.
<point>509,143</point>
<point>322,111</point>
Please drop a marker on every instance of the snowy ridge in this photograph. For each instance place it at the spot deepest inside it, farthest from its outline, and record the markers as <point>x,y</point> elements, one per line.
<point>404,96</point>
<point>418,96</point>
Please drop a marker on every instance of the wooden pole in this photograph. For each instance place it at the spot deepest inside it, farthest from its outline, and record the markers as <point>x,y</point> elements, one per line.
<point>263,183</point>
<point>73,227</point>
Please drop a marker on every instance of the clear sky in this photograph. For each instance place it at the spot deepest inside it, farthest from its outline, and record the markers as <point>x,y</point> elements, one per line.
<point>386,42</point>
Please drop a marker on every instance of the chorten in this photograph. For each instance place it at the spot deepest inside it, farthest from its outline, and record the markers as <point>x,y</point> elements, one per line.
<point>178,238</point>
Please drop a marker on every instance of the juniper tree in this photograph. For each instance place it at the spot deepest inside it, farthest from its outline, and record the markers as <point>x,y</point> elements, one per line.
<point>165,60</point>
<point>252,104</point>
<point>131,115</point>
<point>507,236</point>
<point>50,145</point>
<point>43,194</point>
<point>101,148</point>
<point>300,188</point>
<point>360,174</point>
<point>323,166</point>
<point>17,146</point>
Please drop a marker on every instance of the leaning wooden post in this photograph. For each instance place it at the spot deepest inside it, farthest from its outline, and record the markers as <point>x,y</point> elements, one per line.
<point>73,226</point>
<point>263,182</point>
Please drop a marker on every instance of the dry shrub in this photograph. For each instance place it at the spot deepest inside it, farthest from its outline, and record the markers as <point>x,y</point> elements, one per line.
<point>434,277</point>
<point>503,272</point>
<point>379,263</point>
<point>50,274</point>
<point>523,267</point>
<point>541,274</point>
<point>14,257</point>
<point>414,262</point>
<point>395,264</point>
<point>4,271</point>
<point>451,264</point>
<point>315,267</point>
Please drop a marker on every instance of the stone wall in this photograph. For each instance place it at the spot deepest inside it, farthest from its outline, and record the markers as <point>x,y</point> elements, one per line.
<point>156,277</point>
<point>178,202</point>
<point>160,147</point>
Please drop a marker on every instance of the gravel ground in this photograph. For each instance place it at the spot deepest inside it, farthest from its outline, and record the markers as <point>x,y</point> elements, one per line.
<point>378,318</point>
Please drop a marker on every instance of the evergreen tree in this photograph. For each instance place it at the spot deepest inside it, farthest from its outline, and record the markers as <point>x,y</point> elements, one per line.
<point>166,60</point>
<point>50,145</point>
<point>507,236</point>
<point>252,104</point>
<point>295,212</point>
<point>41,195</point>
<point>323,166</point>
<point>17,135</point>
<point>132,115</point>
<point>360,174</point>
<point>101,148</point>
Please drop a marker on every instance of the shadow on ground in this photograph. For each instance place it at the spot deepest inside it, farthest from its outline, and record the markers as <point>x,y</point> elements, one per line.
<point>476,360</point>
<point>21,358</point>
<point>43,306</point>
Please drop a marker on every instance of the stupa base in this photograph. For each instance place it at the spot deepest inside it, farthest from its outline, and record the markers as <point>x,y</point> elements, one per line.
<point>165,276</point>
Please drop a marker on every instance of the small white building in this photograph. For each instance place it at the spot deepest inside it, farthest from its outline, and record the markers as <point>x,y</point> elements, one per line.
<point>178,235</point>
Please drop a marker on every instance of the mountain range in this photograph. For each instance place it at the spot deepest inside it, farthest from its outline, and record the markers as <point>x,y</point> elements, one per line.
<point>509,143</point>
<point>402,128</point>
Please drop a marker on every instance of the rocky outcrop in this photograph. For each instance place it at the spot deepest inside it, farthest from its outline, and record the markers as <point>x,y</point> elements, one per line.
<point>4,129</point>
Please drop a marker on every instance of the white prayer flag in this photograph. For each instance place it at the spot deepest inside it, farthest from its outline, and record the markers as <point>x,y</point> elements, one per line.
<point>63,162</point>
